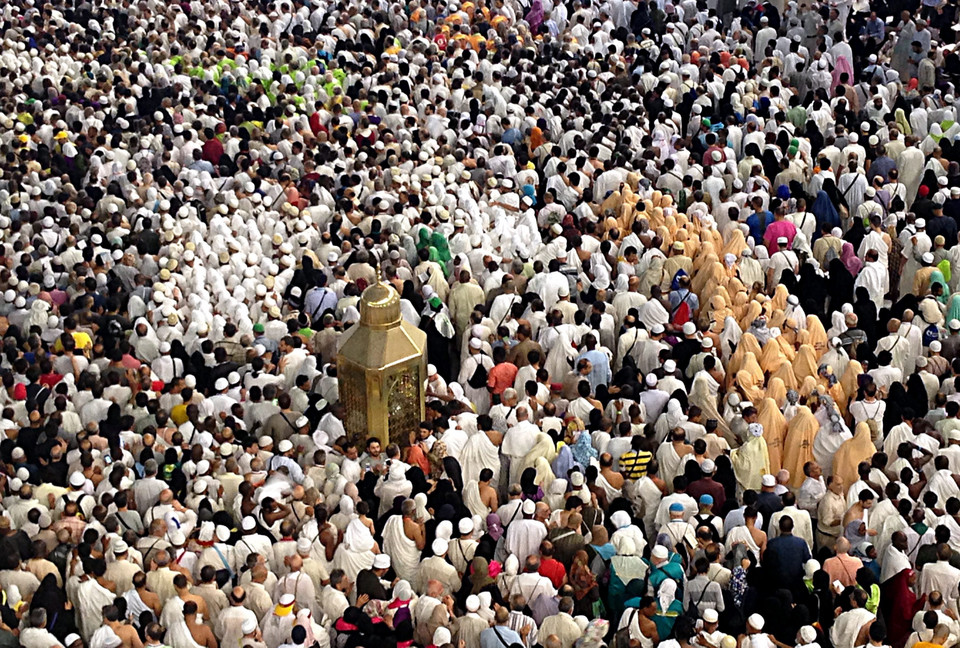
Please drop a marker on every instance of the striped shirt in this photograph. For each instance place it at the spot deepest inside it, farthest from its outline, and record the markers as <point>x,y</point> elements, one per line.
<point>517,620</point>
<point>633,464</point>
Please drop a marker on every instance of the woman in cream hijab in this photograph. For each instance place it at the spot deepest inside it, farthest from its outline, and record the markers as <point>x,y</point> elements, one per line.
<point>703,394</point>
<point>539,457</point>
<point>730,339</point>
<point>751,461</point>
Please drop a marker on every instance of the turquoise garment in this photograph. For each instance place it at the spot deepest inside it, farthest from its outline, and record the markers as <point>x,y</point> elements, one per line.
<point>606,551</point>
<point>619,591</point>
<point>954,311</point>
<point>666,618</point>
<point>672,569</point>
<point>937,278</point>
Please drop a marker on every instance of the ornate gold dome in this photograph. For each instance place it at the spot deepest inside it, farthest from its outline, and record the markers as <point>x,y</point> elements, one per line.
<point>380,306</point>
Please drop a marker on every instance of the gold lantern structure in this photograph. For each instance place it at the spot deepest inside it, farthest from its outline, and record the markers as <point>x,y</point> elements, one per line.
<point>381,370</point>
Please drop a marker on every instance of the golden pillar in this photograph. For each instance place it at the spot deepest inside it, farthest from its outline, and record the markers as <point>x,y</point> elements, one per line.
<point>381,370</point>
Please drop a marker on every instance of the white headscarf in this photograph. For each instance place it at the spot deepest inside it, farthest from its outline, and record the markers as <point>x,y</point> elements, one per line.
<point>667,594</point>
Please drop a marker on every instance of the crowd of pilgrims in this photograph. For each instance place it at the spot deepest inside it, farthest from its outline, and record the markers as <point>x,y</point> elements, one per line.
<point>688,272</point>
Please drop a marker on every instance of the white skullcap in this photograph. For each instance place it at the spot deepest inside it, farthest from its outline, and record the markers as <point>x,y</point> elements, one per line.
<point>473,603</point>
<point>440,547</point>
<point>659,552</point>
<point>755,621</point>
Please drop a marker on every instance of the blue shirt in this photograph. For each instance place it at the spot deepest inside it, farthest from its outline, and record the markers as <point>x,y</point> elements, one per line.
<point>600,374</point>
<point>489,638</point>
<point>785,556</point>
<point>319,300</point>
<point>683,294</point>
<point>874,28</point>
<point>756,228</point>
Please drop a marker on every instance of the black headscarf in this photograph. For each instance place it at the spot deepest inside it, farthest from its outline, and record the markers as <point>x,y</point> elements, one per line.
<point>528,483</point>
<point>896,401</point>
<point>840,286</point>
<point>866,312</point>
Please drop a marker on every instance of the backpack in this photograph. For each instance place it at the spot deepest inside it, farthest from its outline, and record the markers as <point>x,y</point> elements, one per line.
<point>621,639</point>
<point>829,256</point>
<point>681,314</point>
<point>479,378</point>
<point>599,567</point>
<point>930,334</point>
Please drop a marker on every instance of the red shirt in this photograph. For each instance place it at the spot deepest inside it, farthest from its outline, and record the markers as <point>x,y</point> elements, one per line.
<point>50,379</point>
<point>501,376</point>
<point>212,151</point>
<point>554,570</point>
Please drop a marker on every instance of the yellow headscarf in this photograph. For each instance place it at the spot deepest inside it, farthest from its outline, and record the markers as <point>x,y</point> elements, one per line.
<point>849,381</point>
<point>736,245</point>
<point>786,376</point>
<point>776,319</point>
<point>777,391</point>
<point>748,386</point>
<point>808,386</point>
<point>753,310</point>
<point>700,260</point>
<point>751,364</point>
<point>806,363</point>
<point>779,300</point>
<point>798,447</point>
<point>774,431</point>
<point>816,335</point>
<point>852,452</point>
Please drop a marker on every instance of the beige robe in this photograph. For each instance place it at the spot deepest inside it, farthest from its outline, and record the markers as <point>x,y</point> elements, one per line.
<point>562,625</point>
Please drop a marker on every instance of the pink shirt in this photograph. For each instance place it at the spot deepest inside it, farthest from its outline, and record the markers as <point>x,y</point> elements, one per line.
<point>777,229</point>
